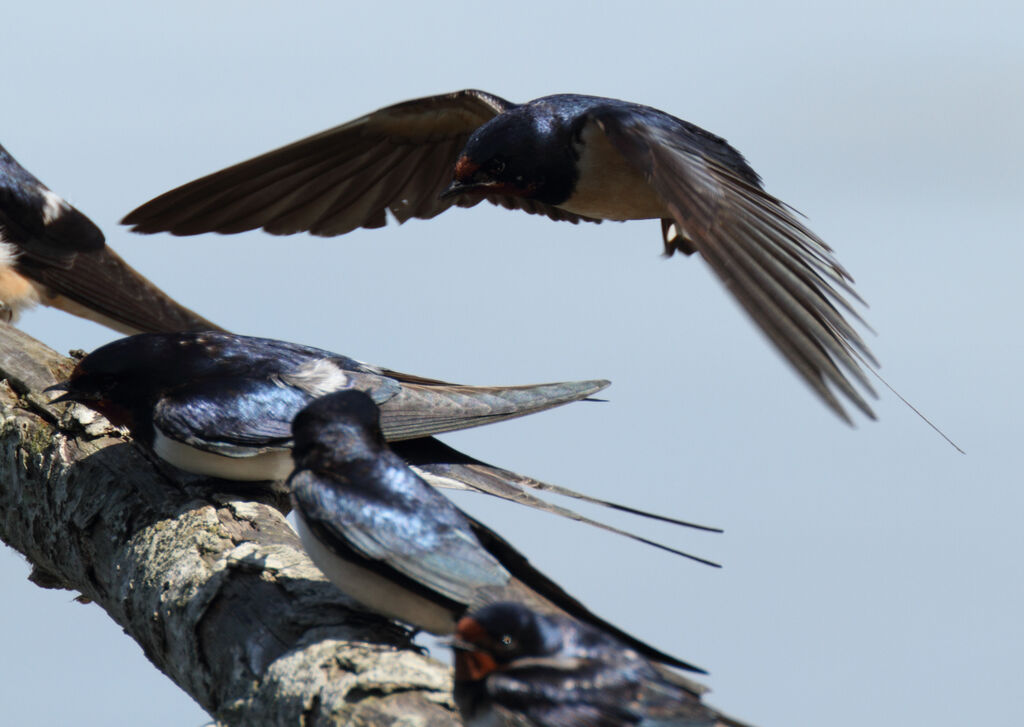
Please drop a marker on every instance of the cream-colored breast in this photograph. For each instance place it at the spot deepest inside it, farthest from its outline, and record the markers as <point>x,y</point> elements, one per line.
<point>272,465</point>
<point>609,187</point>
<point>374,591</point>
<point>16,291</point>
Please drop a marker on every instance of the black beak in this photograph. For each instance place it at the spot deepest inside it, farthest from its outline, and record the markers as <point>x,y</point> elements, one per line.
<point>68,396</point>
<point>456,188</point>
<point>454,642</point>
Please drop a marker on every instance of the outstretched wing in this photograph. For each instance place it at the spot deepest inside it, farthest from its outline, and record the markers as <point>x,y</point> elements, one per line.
<point>784,276</point>
<point>398,159</point>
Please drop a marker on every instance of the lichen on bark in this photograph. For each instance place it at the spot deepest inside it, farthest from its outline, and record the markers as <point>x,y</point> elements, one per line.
<point>212,584</point>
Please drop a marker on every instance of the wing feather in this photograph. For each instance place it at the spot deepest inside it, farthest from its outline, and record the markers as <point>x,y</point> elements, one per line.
<point>783,275</point>
<point>399,158</point>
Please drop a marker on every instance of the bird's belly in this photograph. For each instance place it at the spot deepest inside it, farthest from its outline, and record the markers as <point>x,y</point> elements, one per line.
<point>609,187</point>
<point>374,591</point>
<point>16,291</point>
<point>273,465</point>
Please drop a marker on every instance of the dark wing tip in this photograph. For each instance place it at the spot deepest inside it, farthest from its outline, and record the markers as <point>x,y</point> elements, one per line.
<point>397,158</point>
<point>784,276</point>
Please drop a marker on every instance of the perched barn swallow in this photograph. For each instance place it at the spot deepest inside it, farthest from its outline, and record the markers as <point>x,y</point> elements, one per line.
<point>398,546</point>
<point>222,405</point>
<point>570,157</point>
<point>51,253</point>
<point>520,668</point>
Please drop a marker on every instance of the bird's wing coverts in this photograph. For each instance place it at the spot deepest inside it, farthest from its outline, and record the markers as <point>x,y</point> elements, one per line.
<point>42,224</point>
<point>435,551</point>
<point>221,414</point>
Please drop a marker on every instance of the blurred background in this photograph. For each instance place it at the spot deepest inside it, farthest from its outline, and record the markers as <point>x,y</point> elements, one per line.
<point>871,575</point>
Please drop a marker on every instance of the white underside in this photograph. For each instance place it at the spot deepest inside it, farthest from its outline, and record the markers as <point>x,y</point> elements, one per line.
<point>609,187</point>
<point>374,591</point>
<point>273,465</point>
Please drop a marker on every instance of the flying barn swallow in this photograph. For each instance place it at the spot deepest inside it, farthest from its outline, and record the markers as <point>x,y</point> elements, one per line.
<point>398,546</point>
<point>520,668</point>
<point>221,405</point>
<point>570,157</point>
<point>51,253</point>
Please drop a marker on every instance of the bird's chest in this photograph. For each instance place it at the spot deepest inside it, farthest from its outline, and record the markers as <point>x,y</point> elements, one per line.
<point>16,291</point>
<point>608,186</point>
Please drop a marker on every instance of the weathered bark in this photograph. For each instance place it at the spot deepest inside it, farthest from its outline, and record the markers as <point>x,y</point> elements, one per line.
<point>213,586</point>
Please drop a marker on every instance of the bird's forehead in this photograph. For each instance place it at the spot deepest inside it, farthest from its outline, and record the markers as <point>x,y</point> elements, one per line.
<point>509,129</point>
<point>470,630</point>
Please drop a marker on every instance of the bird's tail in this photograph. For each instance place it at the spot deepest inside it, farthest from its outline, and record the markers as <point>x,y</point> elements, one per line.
<point>443,466</point>
<point>102,287</point>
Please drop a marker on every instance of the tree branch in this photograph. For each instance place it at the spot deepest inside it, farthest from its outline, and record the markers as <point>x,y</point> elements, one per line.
<point>215,588</point>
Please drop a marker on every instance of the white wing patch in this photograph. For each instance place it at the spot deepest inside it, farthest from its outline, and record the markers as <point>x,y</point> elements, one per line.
<point>53,206</point>
<point>317,378</point>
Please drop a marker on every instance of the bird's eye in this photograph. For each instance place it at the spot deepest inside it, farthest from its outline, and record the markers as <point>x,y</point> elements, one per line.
<point>498,167</point>
<point>507,642</point>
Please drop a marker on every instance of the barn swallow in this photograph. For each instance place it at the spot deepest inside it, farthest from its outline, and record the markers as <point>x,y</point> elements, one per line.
<point>570,157</point>
<point>520,668</point>
<point>51,253</point>
<point>221,405</point>
<point>398,546</point>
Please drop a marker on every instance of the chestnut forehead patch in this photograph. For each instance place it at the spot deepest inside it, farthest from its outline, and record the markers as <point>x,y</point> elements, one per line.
<point>465,168</point>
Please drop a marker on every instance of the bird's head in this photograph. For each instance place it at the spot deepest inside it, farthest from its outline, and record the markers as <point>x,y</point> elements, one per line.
<point>492,637</point>
<point>110,380</point>
<point>337,428</point>
<point>124,379</point>
<point>519,153</point>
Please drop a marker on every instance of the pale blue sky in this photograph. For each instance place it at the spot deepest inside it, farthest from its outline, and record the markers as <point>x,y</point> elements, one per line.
<point>872,575</point>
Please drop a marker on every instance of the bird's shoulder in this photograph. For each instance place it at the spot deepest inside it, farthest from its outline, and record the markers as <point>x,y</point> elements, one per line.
<point>40,221</point>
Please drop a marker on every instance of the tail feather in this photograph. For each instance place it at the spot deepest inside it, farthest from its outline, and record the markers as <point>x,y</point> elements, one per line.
<point>443,466</point>
<point>101,286</point>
